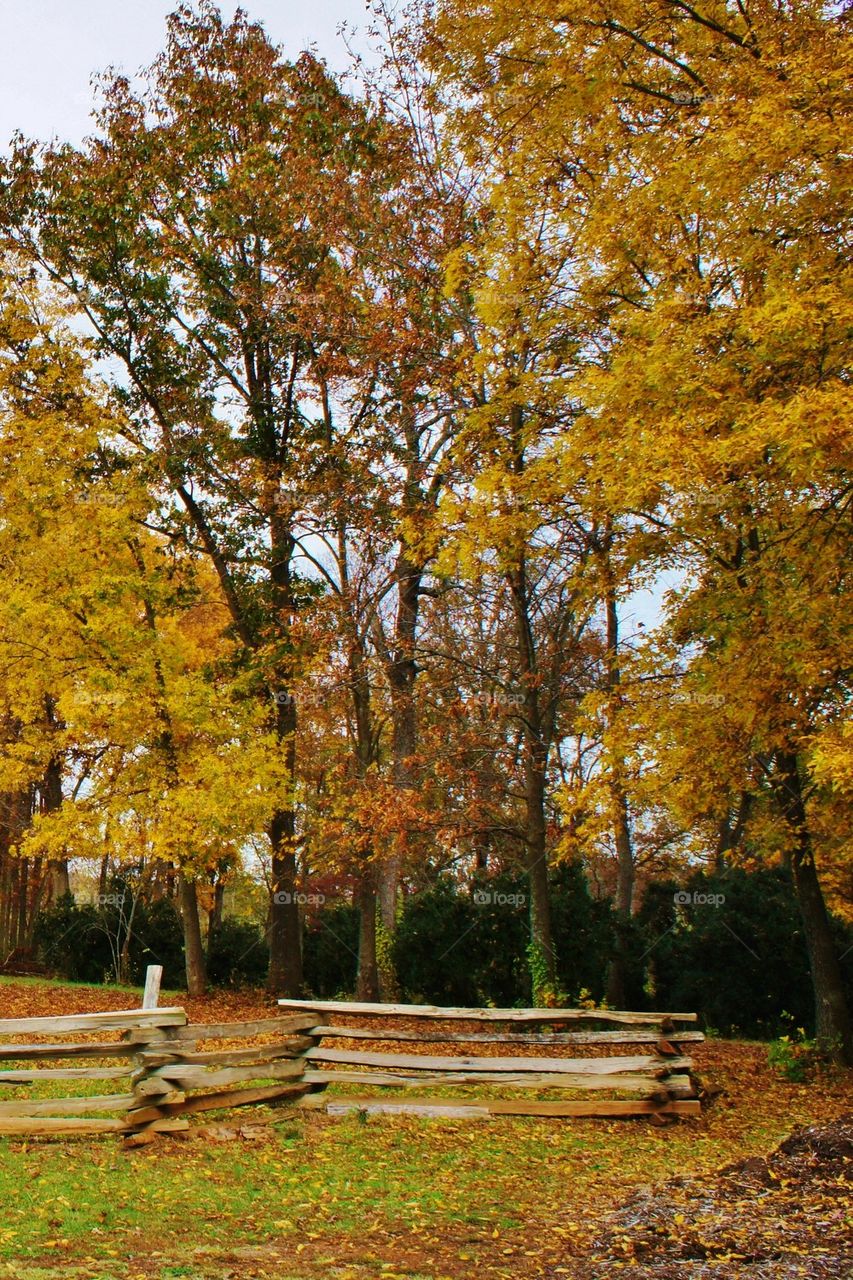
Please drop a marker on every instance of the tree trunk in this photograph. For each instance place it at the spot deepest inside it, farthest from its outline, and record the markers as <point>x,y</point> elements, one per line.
<point>4,902</point>
<point>367,978</point>
<point>60,882</point>
<point>833,1027</point>
<point>285,974</point>
<point>193,949</point>
<point>123,974</point>
<point>617,976</point>
<point>402,675</point>
<point>731,832</point>
<point>38,883</point>
<point>536,865</point>
<point>543,959</point>
<point>214,919</point>
<point>367,982</point>
<point>625,867</point>
<point>59,885</point>
<point>15,816</point>
<point>23,901</point>
<point>285,931</point>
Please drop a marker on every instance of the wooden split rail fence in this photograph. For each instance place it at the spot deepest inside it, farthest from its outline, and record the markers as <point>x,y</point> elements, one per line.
<point>161,1069</point>
<point>657,1081</point>
<point>152,1061</point>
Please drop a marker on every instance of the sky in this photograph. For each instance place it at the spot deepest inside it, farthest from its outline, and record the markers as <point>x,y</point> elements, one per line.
<point>50,49</point>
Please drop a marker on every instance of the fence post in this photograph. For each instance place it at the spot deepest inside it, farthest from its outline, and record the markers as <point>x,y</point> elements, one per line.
<point>153,977</point>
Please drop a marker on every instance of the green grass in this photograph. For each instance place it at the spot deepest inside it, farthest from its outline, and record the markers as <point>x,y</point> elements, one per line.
<point>311,1178</point>
<point>181,1208</point>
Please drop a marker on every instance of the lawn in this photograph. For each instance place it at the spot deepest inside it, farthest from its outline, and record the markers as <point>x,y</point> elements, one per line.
<point>297,1195</point>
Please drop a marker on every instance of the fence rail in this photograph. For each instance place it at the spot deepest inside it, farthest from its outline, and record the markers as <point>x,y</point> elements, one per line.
<point>658,1082</point>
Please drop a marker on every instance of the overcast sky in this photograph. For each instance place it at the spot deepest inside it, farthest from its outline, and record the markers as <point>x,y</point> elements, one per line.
<point>49,49</point>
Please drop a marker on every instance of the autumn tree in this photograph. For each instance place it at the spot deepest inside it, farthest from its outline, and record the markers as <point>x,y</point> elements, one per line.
<point>690,155</point>
<point>127,730</point>
<point>208,233</point>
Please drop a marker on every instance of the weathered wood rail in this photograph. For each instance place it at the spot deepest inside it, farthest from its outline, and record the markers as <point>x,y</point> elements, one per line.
<point>658,1082</point>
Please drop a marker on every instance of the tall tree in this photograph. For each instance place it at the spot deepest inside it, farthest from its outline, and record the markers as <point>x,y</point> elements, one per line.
<point>690,153</point>
<point>208,233</point>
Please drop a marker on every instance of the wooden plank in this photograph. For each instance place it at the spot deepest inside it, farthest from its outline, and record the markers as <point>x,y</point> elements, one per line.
<point>487,1015</point>
<point>630,1083</point>
<point>112,1049</point>
<point>120,1020</point>
<point>280,1026</point>
<point>153,978</point>
<point>35,1126</point>
<point>429,1062</point>
<point>242,1097</point>
<point>192,1077</point>
<point>151,1035</point>
<point>142,1139</point>
<point>651,1036</point>
<point>223,1100</point>
<point>293,1048</point>
<point>441,1108</point>
<point>68,1106</point>
<point>143,1115</point>
<point>170,1098</point>
<point>592,1107</point>
<point>29,1075</point>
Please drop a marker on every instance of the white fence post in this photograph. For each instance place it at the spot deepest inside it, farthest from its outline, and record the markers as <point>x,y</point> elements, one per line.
<point>153,977</point>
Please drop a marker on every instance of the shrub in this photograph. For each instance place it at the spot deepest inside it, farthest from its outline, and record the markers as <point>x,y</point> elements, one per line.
<point>741,963</point>
<point>499,940</point>
<point>71,941</point>
<point>158,938</point>
<point>470,946</point>
<point>584,930</point>
<point>78,941</point>
<point>330,951</point>
<point>435,951</point>
<point>238,955</point>
<point>793,1058</point>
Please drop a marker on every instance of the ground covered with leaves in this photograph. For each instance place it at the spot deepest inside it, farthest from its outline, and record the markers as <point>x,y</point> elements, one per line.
<point>764,1218</point>
<point>300,1195</point>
